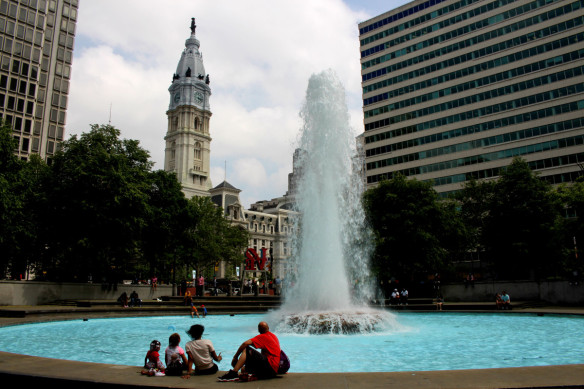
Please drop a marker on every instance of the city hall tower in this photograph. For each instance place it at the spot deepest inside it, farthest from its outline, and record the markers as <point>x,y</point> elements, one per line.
<point>188,141</point>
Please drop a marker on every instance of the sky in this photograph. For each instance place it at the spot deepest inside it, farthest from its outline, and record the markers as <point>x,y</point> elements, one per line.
<point>259,55</point>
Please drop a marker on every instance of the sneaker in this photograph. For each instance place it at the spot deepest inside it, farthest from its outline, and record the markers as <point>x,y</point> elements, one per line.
<point>247,377</point>
<point>229,376</point>
<point>159,374</point>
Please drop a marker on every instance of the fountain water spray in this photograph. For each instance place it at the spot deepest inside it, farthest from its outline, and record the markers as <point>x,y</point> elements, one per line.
<point>329,284</point>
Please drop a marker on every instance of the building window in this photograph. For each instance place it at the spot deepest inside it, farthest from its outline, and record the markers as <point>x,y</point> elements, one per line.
<point>198,151</point>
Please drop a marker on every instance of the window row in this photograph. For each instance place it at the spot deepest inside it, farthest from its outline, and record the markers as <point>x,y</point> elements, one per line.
<point>470,56</point>
<point>23,14</point>
<point>17,86</point>
<point>454,20</point>
<point>21,31</point>
<point>483,81</point>
<point>11,103</point>
<point>564,160</point>
<point>473,129</point>
<point>482,111</point>
<point>553,179</point>
<point>411,11</point>
<point>473,69</point>
<point>479,143</point>
<point>19,124</point>
<point>503,154</point>
<point>518,87</point>
<point>495,172</point>
<point>462,44</point>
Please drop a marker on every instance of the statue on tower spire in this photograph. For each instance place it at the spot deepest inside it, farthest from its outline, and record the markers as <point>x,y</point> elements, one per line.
<point>193,26</point>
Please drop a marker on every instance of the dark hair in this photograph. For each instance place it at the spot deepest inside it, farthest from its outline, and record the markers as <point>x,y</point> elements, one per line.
<point>174,339</point>
<point>196,331</point>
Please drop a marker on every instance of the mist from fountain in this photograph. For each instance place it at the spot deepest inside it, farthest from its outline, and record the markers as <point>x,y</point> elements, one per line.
<point>328,286</point>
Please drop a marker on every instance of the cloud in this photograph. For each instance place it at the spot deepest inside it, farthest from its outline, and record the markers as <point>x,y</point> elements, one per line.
<point>259,57</point>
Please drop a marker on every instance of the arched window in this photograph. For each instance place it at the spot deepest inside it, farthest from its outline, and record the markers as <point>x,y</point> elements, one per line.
<point>198,150</point>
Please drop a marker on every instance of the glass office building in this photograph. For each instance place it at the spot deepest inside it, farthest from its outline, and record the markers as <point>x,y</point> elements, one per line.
<point>36,52</point>
<point>454,89</point>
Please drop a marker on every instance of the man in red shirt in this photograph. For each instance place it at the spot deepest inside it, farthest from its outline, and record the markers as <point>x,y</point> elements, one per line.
<point>261,365</point>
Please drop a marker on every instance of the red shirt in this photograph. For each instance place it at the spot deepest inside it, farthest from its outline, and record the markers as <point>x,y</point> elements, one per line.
<point>270,347</point>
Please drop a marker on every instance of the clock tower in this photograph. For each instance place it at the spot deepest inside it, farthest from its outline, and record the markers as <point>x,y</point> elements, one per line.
<point>188,142</point>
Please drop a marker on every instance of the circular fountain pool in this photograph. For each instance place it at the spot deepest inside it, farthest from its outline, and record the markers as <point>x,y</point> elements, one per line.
<point>417,341</point>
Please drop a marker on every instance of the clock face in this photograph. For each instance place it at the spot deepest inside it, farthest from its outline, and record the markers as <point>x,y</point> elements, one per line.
<point>198,97</point>
<point>176,97</point>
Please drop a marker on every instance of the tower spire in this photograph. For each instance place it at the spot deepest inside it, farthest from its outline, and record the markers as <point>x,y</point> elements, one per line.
<point>193,26</point>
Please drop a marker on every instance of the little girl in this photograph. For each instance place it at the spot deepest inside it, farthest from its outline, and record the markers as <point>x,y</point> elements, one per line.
<point>152,361</point>
<point>174,356</point>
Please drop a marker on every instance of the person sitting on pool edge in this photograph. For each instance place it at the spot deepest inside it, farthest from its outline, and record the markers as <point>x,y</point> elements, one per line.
<point>201,353</point>
<point>261,365</point>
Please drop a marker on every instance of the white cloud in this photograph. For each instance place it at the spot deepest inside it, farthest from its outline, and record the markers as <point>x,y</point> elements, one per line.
<point>259,54</point>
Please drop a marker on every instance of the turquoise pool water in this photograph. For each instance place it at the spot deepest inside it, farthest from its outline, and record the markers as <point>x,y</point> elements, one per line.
<point>437,341</point>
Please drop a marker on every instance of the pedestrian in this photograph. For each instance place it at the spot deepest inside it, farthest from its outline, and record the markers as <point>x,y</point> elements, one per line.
<point>439,302</point>
<point>278,286</point>
<point>200,286</point>
<point>404,297</point>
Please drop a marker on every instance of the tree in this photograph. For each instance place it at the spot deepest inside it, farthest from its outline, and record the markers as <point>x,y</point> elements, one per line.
<point>210,237</point>
<point>521,228</point>
<point>166,224</point>
<point>11,202</point>
<point>98,206</point>
<point>414,232</point>
<point>572,238</point>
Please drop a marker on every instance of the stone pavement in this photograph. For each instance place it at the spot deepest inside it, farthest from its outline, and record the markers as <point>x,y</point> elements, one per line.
<point>24,370</point>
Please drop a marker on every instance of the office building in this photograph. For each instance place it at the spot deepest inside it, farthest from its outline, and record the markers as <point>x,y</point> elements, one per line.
<point>36,41</point>
<point>454,89</point>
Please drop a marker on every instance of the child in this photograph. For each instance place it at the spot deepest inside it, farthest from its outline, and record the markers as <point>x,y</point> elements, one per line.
<point>174,356</point>
<point>201,353</point>
<point>152,360</point>
<point>204,311</point>
<point>194,311</point>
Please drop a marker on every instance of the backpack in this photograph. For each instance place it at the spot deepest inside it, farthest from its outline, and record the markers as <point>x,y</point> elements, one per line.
<point>284,363</point>
<point>174,368</point>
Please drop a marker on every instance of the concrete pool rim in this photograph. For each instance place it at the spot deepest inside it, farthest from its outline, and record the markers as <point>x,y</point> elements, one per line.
<point>22,369</point>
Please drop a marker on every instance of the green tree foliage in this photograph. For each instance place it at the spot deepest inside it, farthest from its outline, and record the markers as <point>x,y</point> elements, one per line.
<point>572,197</point>
<point>415,233</point>
<point>515,222</point>
<point>166,225</point>
<point>98,205</point>
<point>99,212</point>
<point>11,202</point>
<point>474,202</point>
<point>521,228</point>
<point>210,237</point>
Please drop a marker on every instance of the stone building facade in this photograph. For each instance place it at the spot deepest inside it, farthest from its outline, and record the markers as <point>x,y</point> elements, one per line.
<point>187,153</point>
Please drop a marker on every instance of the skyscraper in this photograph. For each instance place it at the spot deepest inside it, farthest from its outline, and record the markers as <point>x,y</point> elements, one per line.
<point>454,89</point>
<point>36,41</point>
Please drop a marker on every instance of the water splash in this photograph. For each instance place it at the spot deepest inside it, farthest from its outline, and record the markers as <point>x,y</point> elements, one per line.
<point>330,284</point>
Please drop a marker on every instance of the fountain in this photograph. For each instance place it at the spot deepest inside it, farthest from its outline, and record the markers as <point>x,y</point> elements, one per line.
<point>330,283</point>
